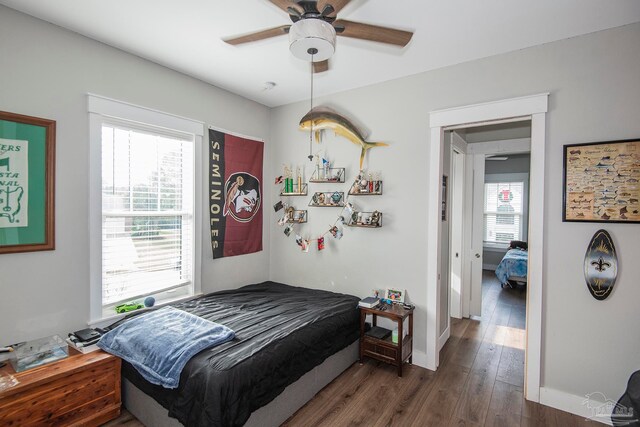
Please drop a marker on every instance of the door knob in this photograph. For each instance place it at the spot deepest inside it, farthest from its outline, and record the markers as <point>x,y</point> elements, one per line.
<point>477,255</point>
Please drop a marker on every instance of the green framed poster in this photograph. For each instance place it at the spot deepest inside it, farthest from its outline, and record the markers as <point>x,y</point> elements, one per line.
<point>27,162</point>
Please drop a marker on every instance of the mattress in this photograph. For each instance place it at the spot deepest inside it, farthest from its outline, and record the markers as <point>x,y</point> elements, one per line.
<point>282,332</point>
<point>513,264</point>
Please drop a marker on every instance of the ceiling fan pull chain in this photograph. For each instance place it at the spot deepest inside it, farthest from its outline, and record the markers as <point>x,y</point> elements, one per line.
<point>311,51</point>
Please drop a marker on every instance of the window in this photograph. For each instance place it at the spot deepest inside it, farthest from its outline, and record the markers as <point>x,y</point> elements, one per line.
<point>144,222</point>
<point>504,211</point>
<point>147,212</point>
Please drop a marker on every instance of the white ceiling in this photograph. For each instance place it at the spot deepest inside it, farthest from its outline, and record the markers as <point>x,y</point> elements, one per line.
<point>185,36</point>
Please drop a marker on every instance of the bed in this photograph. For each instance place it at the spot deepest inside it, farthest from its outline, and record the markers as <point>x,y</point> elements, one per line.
<point>288,339</point>
<point>512,270</point>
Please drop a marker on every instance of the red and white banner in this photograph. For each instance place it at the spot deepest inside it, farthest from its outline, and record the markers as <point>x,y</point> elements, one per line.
<point>235,194</point>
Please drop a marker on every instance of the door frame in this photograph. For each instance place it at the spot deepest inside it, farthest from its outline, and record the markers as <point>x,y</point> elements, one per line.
<point>534,108</point>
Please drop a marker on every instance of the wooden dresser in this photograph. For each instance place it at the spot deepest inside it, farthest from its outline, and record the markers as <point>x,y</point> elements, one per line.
<point>81,390</point>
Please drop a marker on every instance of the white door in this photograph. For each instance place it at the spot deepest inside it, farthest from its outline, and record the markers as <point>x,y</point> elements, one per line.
<point>457,226</point>
<point>477,235</point>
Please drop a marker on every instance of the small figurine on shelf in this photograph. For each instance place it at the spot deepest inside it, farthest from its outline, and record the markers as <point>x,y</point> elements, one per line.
<point>288,179</point>
<point>375,219</point>
<point>321,198</point>
<point>336,197</point>
<point>378,184</point>
<point>299,179</point>
<point>364,185</point>
<point>325,165</point>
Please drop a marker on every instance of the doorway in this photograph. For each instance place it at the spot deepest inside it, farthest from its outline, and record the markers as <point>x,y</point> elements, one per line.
<point>489,339</point>
<point>498,198</point>
<point>533,109</point>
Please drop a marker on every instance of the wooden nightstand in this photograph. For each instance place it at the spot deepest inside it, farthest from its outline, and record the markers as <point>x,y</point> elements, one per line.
<point>83,389</point>
<point>385,350</point>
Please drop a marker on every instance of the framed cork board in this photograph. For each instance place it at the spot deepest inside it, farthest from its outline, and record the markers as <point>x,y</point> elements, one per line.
<point>601,182</point>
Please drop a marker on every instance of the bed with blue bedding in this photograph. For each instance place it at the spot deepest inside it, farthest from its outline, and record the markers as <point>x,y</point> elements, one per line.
<point>513,267</point>
<point>280,333</point>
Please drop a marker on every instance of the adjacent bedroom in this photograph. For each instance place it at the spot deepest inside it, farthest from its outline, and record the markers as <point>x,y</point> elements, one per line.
<point>319,213</point>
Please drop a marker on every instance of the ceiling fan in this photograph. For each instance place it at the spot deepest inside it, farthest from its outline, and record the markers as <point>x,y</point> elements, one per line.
<point>315,26</point>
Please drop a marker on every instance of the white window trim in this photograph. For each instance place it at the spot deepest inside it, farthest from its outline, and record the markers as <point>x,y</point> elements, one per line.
<point>101,110</point>
<point>511,177</point>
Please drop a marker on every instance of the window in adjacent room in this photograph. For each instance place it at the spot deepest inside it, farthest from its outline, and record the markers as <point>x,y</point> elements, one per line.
<point>147,222</point>
<point>504,212</point>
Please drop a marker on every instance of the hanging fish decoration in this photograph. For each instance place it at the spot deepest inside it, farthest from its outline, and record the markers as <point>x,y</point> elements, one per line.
<point>323,118</point>
<point>601,265</point>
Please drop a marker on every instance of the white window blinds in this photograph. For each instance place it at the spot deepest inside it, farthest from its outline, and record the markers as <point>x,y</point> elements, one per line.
<point>147,211</point>
<point>503,210</point>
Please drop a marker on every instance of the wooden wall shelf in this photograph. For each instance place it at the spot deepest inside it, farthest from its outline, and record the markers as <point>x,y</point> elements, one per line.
<point>296,191</point>
<point>328,199</point>
<point>297,216</point>
<point>358,190</point>
<point>335,175</point>
<point>365,219</point>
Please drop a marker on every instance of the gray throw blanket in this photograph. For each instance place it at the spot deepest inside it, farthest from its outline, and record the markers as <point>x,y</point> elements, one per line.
<point>160,343</point>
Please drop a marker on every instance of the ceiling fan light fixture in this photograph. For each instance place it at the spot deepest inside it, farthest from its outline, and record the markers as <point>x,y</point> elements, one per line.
<point>312,37</point>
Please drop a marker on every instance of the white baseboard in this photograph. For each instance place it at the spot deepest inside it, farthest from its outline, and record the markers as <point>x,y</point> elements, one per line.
<point>577,405</point>
<point>444,337</point>
<point>419,358</point>
<point>491,267</point>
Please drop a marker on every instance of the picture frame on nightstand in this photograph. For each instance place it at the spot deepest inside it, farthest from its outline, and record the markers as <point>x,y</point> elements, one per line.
<point>395,295</point>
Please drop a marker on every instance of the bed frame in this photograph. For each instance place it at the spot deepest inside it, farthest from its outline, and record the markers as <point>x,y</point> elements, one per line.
<point>514,281</point>
<point>276,412</point>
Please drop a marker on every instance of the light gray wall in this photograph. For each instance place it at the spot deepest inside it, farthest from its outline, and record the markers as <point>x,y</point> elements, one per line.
<point>516,163</point>
<point>491,258</point>
<point>595,96</point>
<point>497,132</point>
<point>46,72</point>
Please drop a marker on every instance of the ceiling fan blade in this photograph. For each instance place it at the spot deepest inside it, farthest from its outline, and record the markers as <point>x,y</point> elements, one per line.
<point>373,33</point>
<point>286,4</point>
<point>337,5</point>
<point>321,66</point>
<point>497,158</point>
<point>259,35</point>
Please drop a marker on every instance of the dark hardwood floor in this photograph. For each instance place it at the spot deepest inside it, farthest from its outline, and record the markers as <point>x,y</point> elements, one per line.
<point>479,381</point>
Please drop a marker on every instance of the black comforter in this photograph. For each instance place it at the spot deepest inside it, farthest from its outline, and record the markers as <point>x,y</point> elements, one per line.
<point>282,332</point>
